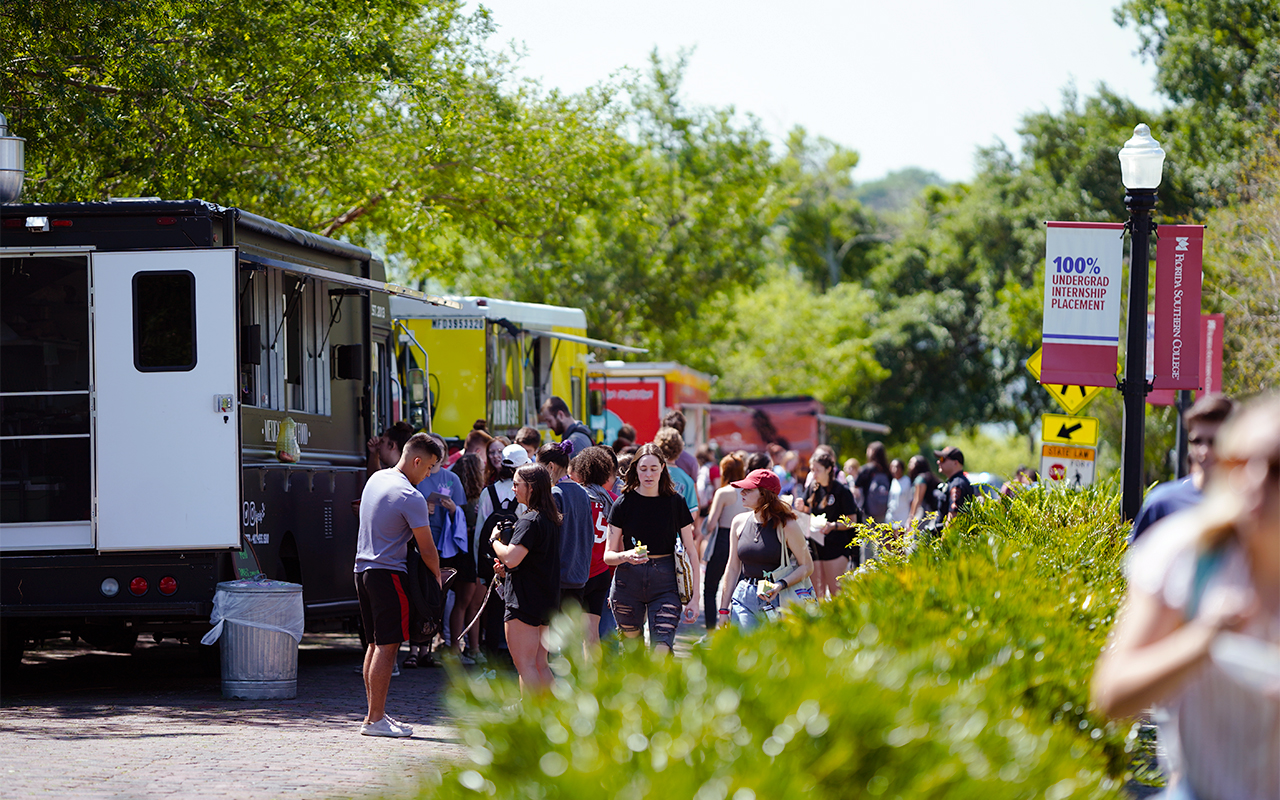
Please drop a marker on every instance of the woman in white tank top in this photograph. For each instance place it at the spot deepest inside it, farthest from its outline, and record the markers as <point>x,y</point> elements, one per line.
<point>1199,633</point>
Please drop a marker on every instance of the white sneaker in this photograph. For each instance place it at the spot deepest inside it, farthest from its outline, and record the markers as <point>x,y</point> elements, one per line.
<point>386,727</point>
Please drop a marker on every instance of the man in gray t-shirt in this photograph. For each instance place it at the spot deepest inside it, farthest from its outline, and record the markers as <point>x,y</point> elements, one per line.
<point>391,512</point>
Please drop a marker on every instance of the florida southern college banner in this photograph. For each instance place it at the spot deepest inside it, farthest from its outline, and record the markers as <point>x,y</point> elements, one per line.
<point>1082,273</point>
<point>1176,346</point>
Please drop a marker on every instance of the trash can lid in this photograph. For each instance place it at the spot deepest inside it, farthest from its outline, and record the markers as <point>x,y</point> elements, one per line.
<point>247,585</point>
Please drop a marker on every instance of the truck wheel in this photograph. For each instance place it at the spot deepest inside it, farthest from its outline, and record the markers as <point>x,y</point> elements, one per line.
<point>112,640</point>
<point>12,644</point>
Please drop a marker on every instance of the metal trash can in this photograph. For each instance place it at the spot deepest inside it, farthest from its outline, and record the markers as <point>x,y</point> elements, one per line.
<point>260,623</point>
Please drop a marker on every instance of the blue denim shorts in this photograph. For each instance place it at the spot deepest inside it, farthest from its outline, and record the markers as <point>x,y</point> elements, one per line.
<point>747,610</point>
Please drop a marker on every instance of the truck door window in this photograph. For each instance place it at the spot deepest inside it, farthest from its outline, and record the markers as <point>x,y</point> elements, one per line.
<point>294,305</point>
<point>44,390</point>
<point>164,321</point>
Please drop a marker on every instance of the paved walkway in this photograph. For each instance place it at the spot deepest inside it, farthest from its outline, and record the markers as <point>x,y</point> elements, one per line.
<point>80,724</point>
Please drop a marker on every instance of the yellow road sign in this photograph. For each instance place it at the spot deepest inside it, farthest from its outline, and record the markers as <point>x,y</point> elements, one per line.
<point>1081,431</point>
<point>1071,398</point>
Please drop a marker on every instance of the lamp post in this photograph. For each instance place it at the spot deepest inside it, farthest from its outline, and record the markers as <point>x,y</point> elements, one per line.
<point>12,163</point>
<point>1141,162</point>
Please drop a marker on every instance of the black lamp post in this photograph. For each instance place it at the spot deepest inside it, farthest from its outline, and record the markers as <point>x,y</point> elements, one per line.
<point>1141,163</point>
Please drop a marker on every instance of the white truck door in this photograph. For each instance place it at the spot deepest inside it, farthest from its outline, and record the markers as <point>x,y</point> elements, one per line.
<point>166,432</point>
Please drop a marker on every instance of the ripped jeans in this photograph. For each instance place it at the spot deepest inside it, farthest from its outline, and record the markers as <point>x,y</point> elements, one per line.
<point>649,591</point>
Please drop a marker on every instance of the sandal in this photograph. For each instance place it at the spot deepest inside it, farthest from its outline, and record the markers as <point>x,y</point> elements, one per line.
<point>410,663</point>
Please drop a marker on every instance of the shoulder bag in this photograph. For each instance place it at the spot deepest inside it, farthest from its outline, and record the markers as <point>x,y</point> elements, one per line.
<point>684,569</point>
<point>801,592</point>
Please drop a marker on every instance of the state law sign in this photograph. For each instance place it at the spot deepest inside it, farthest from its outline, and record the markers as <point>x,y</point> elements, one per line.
<point>1082,273</point>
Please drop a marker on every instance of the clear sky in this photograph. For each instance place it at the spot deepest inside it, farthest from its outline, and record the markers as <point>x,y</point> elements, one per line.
<point>909,83</point>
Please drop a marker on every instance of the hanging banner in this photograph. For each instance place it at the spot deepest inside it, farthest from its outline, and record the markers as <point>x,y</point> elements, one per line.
<point>1179,252</point>
<point>1211,353</point>
<point>1159,397</point>
<point>1082,272</point>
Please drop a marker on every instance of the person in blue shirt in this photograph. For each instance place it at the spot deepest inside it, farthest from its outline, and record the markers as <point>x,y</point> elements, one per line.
<point>671,443</point>
<point>446,516</point>
<point>1203,420</point>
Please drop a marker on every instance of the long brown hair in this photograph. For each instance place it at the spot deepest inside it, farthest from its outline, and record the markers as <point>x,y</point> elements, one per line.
<point>773,510</point>
<point>732,468</point>
<point>540,497</point>
<point>665,485</point>
<point>470,470</point>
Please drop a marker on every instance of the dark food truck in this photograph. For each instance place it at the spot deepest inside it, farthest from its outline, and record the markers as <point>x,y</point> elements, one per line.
<point>150,352</point>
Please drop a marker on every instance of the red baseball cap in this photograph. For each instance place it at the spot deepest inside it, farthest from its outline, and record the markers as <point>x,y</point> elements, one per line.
<point>760,479</point>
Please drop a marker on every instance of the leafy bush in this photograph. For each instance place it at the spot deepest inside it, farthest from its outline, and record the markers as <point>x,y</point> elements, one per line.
<point>959,670</point>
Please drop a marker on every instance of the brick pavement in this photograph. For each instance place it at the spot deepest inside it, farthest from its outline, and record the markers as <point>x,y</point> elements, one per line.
<point>81,724</point>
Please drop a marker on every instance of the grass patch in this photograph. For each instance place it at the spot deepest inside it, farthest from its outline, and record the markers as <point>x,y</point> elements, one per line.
<point>960,670</point>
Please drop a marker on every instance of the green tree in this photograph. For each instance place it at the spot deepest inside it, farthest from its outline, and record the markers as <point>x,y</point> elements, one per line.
<point>1219,62</point>
<point>827,234</point>
<point>677,210</point>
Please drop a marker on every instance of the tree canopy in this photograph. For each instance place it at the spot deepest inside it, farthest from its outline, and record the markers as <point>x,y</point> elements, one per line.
<point>395,124</point>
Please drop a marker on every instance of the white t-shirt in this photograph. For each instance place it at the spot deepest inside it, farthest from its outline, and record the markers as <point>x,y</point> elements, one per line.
<point>899,501</point>
<point>1225,736</point>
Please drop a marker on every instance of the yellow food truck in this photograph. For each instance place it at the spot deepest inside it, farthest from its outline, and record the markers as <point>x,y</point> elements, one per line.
<point>491,359</point>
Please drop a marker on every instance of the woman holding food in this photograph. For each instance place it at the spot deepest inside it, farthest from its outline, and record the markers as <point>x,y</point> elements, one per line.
<point>756,539</point>
<point>643,526</point>
<point>831,499</point>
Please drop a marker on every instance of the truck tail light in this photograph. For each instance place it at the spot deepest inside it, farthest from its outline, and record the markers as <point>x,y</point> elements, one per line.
<point>168,585</point>
<point>138,586</point>
<point>110,587</point>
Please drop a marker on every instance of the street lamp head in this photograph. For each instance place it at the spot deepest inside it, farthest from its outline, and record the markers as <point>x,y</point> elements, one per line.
<point>12,163</point>
<point>1141,160</point>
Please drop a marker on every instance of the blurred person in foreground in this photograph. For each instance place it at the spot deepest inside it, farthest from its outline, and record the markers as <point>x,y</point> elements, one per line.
<point>1203,420</point>
<point>1199,632</point>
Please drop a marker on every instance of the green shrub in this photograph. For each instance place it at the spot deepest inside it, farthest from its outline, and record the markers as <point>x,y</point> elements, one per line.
<point>957,671</point>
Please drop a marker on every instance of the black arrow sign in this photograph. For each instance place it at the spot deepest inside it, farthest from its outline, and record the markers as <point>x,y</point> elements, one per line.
<point>1065,433</point>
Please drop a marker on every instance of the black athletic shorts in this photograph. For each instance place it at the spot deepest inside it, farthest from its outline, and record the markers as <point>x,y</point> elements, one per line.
<point>384,605</point>
<point>596,592</point>
<point>464,564</point>
<point>571,597</point>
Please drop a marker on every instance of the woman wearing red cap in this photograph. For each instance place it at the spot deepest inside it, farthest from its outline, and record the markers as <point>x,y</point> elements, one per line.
<point>648,517</point>
<point>755,551</point>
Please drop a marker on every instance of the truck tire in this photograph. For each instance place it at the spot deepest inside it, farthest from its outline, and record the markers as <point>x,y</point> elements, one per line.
<point>12,644</point>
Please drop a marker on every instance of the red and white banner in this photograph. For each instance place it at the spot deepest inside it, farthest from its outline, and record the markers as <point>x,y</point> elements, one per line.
<point>1211,353</point>
<point>1179,253</point>
<point>1208,357</point>
<point>1082,274</point>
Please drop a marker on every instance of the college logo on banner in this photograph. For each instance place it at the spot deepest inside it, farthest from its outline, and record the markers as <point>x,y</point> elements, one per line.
<point>1175,348</point>
<point>1082,274</point>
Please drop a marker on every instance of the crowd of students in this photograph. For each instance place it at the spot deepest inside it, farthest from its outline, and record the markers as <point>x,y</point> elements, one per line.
<point>520,530</point>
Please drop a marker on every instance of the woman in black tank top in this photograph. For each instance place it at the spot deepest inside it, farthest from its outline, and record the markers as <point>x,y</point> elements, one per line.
<point>755,552</point>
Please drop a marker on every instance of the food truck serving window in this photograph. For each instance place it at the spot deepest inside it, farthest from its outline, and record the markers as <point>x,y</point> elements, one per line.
<point>164,321</point>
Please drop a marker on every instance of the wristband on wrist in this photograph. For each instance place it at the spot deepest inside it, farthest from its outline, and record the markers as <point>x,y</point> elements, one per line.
<point>724,611</point>
<point>782,584</point>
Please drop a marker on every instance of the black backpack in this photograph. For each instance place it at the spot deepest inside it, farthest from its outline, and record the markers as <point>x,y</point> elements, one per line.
<point>503,512</point>
<point>426,596</point>
<point>876,503</point>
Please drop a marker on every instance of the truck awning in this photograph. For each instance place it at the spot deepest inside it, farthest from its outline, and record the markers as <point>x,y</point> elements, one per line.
<point>354,281</point>
<point>588,341</point>
<point>845,422</point>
